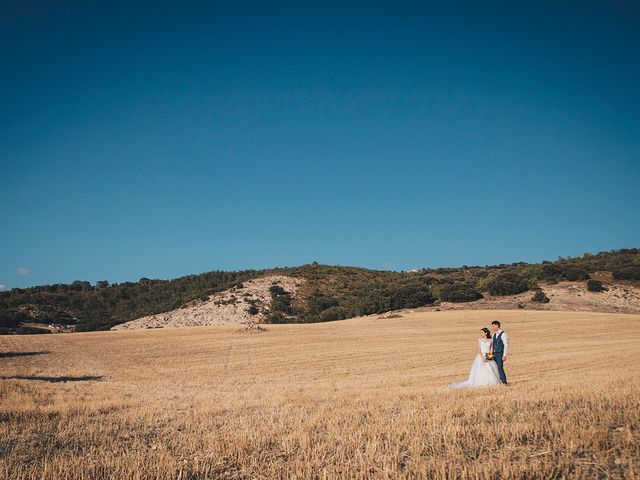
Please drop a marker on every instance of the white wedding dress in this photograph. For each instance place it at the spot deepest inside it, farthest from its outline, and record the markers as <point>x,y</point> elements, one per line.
<point>482,373</point>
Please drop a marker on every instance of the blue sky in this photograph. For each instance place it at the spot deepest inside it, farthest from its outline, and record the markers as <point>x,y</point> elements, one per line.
<point>158,140</point>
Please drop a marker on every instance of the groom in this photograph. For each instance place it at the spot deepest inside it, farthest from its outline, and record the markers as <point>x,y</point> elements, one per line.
<point>500,348</point>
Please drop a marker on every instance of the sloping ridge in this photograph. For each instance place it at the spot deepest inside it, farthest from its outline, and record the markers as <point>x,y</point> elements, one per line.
<point>230,307</point>
<point>563,296</point>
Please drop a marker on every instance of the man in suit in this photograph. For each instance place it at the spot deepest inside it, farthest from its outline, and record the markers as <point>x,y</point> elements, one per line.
<point>500,348</point>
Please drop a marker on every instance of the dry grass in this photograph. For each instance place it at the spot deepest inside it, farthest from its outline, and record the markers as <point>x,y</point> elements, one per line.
<point>359,398</point>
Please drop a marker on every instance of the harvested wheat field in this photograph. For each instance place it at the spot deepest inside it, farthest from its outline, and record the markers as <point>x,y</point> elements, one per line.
<point>359,398</point>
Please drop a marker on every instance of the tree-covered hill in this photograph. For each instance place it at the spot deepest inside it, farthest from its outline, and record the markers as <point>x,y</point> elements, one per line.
<point>329,293</point>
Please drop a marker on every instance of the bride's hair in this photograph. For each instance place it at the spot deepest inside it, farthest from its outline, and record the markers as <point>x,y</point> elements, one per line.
<point>486,332</point>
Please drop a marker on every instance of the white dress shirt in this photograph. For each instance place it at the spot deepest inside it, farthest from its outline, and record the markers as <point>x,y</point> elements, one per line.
<point>505,340</point>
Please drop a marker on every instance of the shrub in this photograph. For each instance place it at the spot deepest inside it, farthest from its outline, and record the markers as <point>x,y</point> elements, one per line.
<point>459,292</point>
<point>573,274</point>
<point>277,317</point>
<point>318,302</point>
<point>276,290</point>
<point>229,301</point>
<point>253,310</point>
<point>550,273</point>
<point>410,296</point>
<point>12,318</point>
<point>333,313</point>
<point>508,283</point>
<point>631,272</point>
<point>595,286</point>
<point>280,299</point>
<point>539,296</point>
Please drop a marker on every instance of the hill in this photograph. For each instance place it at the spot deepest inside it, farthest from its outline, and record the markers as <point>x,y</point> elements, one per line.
<point>325,292</point>
<point>240,304</point>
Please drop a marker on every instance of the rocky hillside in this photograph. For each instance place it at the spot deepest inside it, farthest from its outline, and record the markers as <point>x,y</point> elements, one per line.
<point>234,306</point>
<point>563,296</point>
<point>317,293</point>
<point>251,301</point>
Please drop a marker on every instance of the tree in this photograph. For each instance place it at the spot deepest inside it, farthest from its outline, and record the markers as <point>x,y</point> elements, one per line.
<point>410,296</point>
<point>459,292</point>
<point>317,302</point>
<point>631,272</point>
<point>508,283</point>
<point>574,273</point>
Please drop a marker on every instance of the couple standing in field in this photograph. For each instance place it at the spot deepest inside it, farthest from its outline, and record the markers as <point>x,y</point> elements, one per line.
<point>488,366</point>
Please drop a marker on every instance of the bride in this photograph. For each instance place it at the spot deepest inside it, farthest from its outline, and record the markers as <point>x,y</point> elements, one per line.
<point>483,372</point>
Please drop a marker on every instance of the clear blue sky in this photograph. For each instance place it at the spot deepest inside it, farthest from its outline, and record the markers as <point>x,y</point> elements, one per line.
<point>158,140</point>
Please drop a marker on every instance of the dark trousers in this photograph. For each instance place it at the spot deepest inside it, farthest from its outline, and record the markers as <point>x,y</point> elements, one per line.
<point>500,363</point>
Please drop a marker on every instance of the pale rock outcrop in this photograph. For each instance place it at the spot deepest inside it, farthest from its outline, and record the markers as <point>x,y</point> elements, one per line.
<point>224,308</point>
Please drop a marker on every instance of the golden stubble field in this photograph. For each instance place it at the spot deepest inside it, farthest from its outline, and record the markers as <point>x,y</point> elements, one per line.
<point>360,398</point>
